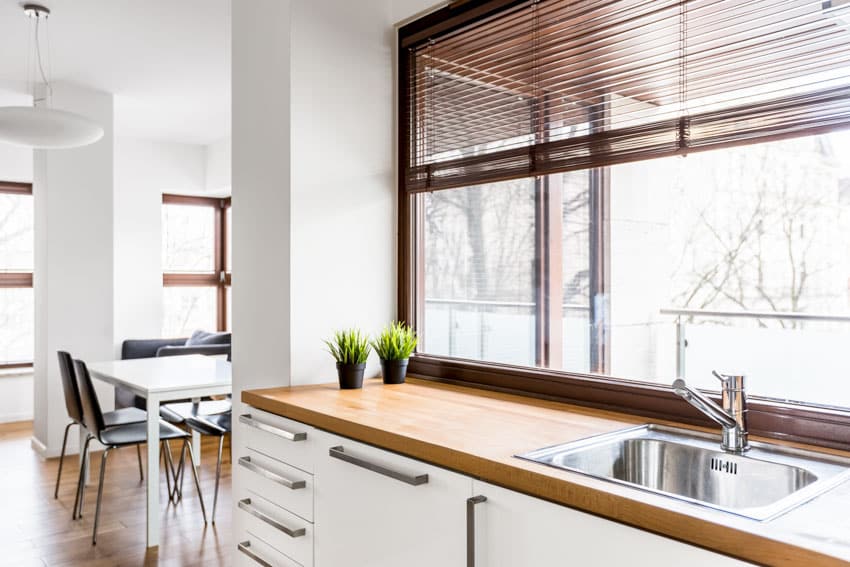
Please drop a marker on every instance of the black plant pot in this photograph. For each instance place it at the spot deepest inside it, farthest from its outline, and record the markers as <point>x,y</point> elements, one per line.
<point>350,375</point>
<point>394,371</point>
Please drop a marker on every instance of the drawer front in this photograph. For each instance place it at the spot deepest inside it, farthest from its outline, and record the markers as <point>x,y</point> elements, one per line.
<point>278,437</point>
<point>279,529</point>
<point>251,551</point>
<point>285,486</point>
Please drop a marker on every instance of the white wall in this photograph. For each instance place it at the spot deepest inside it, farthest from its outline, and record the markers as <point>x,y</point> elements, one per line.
<point>73,191</point>
<point>144,170</point>
<point>343,189</point>
<point>218,167</point>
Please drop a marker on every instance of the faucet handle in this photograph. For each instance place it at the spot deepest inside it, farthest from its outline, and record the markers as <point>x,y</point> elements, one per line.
<point>722,377</point>
<point>735,381</point>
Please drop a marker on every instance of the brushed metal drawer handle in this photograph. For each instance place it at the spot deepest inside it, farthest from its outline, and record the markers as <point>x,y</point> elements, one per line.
<point>272,476</point>
<point>245,547</point>
<point>338,452</point>
<point>245,504</point>
<point>288,435</point>
<point>470,528</point>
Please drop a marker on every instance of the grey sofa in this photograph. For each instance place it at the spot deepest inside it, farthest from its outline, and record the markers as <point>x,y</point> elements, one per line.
<point>149,348</point>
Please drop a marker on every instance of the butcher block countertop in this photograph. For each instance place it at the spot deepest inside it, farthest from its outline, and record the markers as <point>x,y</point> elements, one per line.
<point>477,433</point>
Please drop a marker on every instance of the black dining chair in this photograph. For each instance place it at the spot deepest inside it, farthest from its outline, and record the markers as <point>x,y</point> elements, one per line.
<point>218,425</point>
<point>74,407</point>
<point>118,436</point>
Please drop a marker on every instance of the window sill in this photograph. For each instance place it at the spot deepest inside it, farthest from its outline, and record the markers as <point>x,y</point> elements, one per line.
<point>789,422</point>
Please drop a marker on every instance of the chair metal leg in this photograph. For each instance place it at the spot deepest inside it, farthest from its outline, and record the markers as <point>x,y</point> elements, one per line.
<point>141,470</point>
<point>178,476</point>
<point>170,473</point>
<point>217,475</point>
<point>163,459</point>
<point>99,494</point>
<point>187,444</point>
<point>81,483</point>
<point>62,459</point>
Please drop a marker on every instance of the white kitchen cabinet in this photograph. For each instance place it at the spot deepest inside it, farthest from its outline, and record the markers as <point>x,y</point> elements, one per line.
<point>374,508</point>
<point>315,499</point>
<point>512,530</point>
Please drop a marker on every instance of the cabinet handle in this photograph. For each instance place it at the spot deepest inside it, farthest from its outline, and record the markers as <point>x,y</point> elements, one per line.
<point>274,477</point>
<point>245,547</point>
<point>470,528</point>
<point>338,452</point>
<point>251,422</point>
<point>245,504</point>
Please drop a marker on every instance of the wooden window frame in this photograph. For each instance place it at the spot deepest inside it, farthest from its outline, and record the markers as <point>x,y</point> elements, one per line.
<point>220,278</point>
<point>816,425</point>
<point>15,279</point>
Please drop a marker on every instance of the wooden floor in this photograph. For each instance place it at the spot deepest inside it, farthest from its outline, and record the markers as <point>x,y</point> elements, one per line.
<point>37,530</point>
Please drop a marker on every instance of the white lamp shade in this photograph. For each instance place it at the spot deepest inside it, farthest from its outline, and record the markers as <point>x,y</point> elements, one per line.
<point>46,128</point>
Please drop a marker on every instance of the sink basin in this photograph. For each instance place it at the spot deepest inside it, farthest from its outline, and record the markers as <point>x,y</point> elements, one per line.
<point>762,483</point>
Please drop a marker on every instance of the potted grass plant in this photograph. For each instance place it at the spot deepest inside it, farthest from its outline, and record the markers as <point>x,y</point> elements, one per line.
<point>350,348</point>
<point>394,346</point>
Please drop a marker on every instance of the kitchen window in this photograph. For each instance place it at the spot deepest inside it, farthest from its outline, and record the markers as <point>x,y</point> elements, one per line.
<point>595,199</point>
<point>196,264</point>
<point>17,318</point>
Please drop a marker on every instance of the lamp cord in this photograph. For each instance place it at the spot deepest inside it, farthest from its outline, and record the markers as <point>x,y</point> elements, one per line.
<point>48,86</point>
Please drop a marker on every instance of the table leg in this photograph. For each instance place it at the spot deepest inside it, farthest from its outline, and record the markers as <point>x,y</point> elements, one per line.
<point>196,440</point>
<point>153,472</point>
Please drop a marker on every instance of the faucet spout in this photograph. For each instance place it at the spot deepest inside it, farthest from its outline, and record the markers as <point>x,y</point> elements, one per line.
<point>703,403</point>
<point>732,417</point>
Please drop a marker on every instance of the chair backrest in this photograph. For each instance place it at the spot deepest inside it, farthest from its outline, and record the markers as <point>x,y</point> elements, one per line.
<point>91,406</point>
<point>69,387</point>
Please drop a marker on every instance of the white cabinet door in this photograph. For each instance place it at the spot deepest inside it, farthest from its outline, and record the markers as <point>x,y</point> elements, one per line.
<point>512,529</point>
<point>377,509</point>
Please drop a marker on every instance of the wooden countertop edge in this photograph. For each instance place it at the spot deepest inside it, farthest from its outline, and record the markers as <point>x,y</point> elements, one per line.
<point>669,523</point>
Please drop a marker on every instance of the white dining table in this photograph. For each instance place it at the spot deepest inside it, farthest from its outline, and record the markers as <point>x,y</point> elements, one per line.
<point>159,380</point>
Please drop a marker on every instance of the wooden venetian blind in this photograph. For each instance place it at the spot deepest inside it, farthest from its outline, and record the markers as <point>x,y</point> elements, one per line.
<point>558,85</point>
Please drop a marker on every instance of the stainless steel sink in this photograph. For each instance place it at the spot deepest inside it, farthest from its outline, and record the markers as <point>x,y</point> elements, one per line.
<point>762,483</point>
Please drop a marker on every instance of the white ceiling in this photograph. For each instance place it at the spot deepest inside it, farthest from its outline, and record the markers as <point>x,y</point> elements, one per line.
<point>166,61</point>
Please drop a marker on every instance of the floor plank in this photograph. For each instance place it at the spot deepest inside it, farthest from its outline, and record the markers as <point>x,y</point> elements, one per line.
<point>37,530</point>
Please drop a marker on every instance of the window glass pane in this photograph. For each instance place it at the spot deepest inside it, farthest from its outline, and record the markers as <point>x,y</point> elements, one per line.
<point>187,309</point>
<point>735,259</point>
<point>228,245</point>
<point>479,273</point>
<point>188,238</point>
<point>16,325</point>
<point>574,188</point>
<point>16,233</point>
<point>750,241</point>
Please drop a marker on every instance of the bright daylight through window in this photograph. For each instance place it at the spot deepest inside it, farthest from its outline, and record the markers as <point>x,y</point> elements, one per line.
<point>16,265</point>
<point>720,259</point>
<point>196,264</point>
<point>660,189</point>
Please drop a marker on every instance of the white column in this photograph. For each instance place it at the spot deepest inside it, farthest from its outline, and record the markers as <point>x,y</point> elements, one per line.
<point>261,194</point>
<point>73,280</point>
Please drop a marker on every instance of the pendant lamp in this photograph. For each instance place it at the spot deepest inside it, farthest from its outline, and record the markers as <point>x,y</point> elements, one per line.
<point>40,126</point>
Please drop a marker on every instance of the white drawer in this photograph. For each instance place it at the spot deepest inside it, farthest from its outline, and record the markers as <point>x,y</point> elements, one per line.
<point>254,552</point>
<point>279,529</point>
<point>278,437</point>
<point>277,482</point>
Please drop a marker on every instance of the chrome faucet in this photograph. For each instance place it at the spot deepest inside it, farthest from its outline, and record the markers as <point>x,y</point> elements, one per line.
<point>732,416</point>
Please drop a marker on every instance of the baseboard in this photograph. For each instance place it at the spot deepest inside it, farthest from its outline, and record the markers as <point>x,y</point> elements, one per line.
<point>39,448</point>
<point>14,417</point>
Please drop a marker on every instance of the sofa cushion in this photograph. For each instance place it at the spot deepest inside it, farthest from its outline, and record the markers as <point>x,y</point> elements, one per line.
<point>199,338</point>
